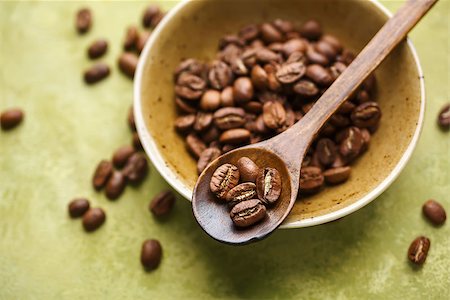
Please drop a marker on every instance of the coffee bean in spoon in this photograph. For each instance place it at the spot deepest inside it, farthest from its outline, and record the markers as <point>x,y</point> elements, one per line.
<point>247,213</point>
<point>247,169</point>
<point>224,179</point>
<point>268,185</point>
<point>241,192</point>
<point>11,118</point>
<point>434,212</point>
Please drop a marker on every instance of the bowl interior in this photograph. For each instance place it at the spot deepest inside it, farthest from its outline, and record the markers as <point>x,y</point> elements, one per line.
<point>194,31</point>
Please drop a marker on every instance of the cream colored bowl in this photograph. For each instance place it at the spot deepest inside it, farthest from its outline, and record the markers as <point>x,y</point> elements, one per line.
<point>193,28</point>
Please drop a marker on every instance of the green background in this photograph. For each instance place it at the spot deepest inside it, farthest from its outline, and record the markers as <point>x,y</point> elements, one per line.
<point>69,127</point>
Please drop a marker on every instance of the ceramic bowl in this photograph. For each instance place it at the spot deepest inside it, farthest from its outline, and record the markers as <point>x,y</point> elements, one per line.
<point>193,29</point>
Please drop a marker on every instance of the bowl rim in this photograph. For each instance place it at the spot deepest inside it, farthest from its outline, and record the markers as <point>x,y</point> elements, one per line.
<point>167,173</point>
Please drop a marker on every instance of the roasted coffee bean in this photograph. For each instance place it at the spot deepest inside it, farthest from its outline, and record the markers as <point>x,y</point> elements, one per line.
<point>247,213</point>
<point>418,250</point>
<point>121,155</point>
<point>326,150</point>
<point>362,96</point>
<point>185,123</point>
<point>93,219</point>
<point>228,147</point>
<point>333,41</point>
<point>253,107</point>
<point>235,136</point>
<point>247,169</point>
<point>97,49</point>
<point>185,107</point>
<point>11,118</point>
<point>241,192</point>
<point>136,168</point>
<point>226,97</point>
<point>346,57</point>
<point>268,185</point>
<point>191,66</point>
<point>366,114</point>
<point>315,57</point>
<point>189,86</point>
<point>339,162</point>
<point>238,67</point>
<point>207,156</point>
<point>306,88</point>
<point>127,63</point>
<point>230,39</point>
<point>311,180</point>
<point>259,77</point>
<point>315,162</point>
<point>319,75</point>
<point>220,75</point>
<point>102,174</point>
<point>293,46</point>
<point>243,90</point>
<point>270,34</point>
<point>229,117</point>
<point>283,26</point>
<point>369,83</point>
<point>230,53</point>
<point>249,57</point>
<point>131,38</point>
<point>116,185</point>
<point>151,254</point>
<point>223,180</point>
<point>337,175</point>
<point>77,207</point>
<point>434,211</point>
<point>444,117</point>
<point>274,84</point>
<point>136,141</point>
<point>210,135</point>
<point>96,73</point>
<point>210,100</point>
<point>366,139</point>
<point>290,72</point>
<point>337,69</point>
<point>142,40</point>
<point>260,126</point>
<point>83,20</point>
<point>249,32</point>
<point>162,203</point>
<point>130,119</point>
<point>351,143</point>
<point>274,115</point>
<point>195,145</point>
<point>346,107</point>
<point>264,56</point>
<point>311,30</point>
<point>326,49</point>
<point>151,13</point>
<point>339,120</point>
<point>203,121</point>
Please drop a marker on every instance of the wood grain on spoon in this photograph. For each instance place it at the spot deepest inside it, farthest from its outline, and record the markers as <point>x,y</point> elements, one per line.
<point>286,151</point>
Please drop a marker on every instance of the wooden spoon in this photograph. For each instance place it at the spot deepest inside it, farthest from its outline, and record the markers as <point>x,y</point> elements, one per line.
<point>287,150</point>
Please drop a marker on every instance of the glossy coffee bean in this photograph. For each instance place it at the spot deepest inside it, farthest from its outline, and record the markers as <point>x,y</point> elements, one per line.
<point>189,86</point>
<point>241,192</point>
<point>352,142</point>
<point>203,121</point>
<point>162,204</point>
<point>418,250</point>
<point>306,88</point>
<point>290,72</point>
<point>223,180</point>
<point>185,123</point>
<point>11,118</point>
<point>195,145</point>
<point>206,157</point>
<point>326,151</point>
<point>151,13</point>
<point>102,174</point>
<point>93,219</point>
<point>243,90</point>
<point>259,77</point>
<point>247,213</point>
<point>333,41</point>
<point>311,180</point>
<point>326,49</point>
<point>210,135</point>
<point>274,115</point>
<point>229,117</point>
<point>151,254</point>
<point>96,73</point>
<point>210,100</point>
<point>128,63</point>
<point>185,107</point>
<point>190,66</point>
<point>444,117</point>
<point>131,37</point>
<point>268,185</point>
<point>116,185</point>
<point>283,26</point>
<point>249,33</point>
<point>226,97</point>
<point>434,212</point>
<point>311,30</point>
<point>316,57</point>
<point>270,34</point>
<point>77,207</point>
<point>220,75</point>
<point>337,175</point>
<point>254,107</point>
<point>121,155</point>
<point>83,20</point>
<point>319,75</point>
<point>97,49</point>
<point>294,45</point>
<point>366,114</point>
<point>265,56</point>
<point>136,168</point>
<point>248,169</point>
<point>235,136</point>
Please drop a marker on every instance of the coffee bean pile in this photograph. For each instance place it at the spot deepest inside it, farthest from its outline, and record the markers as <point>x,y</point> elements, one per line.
<point>246,189</point>
<point>133,44</point>
<point>263,80</point>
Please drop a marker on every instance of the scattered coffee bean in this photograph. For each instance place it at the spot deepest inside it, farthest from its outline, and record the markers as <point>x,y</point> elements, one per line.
<point>162,203</point>
<point>418,250</point>
<point>97,49</point>
<point>121,155</point>
<point>136,141</point>
<point>142,40</point>
<point>337,175</point>
<point>102,174</point>
<point>83,20</point>
<point>127,63</point>
<point>96,73</point>
<point>93,219</point>
<point>247,169</point>
<point>311,180</point>
<point>223,180</point>
<point>151,14</point>
<point>151,253</point>
<point>247,213</point>
<point>206,157</point>
<point>434,211</point>
<point>77,207</point>
<point>268,185</point>
<point>136,168</point>
<point>444,117</point>
<point>11,118</point>
<point>116,185</point>
<point>131,38</point>
<point>241,192</point>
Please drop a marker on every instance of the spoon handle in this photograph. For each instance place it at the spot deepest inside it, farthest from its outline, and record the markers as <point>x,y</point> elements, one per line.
<point>389,36</point>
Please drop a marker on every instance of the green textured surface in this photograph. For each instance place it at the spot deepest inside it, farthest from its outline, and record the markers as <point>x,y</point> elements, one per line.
<point>68,128</point>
